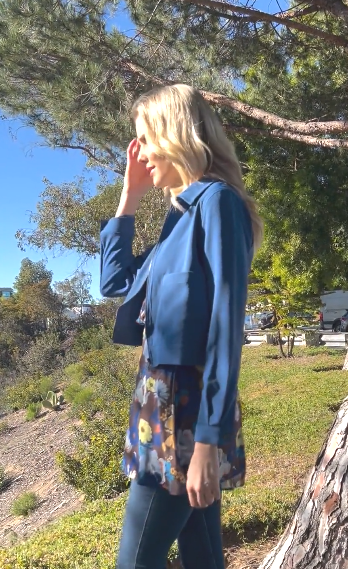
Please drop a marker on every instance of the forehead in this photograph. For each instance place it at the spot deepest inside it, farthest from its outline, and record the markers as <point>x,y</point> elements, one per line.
<point>140,127</point>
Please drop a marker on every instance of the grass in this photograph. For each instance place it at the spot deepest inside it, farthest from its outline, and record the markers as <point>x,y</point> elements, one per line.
<point>33,411</point>
<point>25,504</point>
<point>288,408</point>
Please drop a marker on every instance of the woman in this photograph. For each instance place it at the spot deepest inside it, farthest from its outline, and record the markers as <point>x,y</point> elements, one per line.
<point>185,305</point>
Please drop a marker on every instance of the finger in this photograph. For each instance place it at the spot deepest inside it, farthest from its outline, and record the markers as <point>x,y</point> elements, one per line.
<point>131,147</point>
<point>193,499</point>
<point>209,496</point>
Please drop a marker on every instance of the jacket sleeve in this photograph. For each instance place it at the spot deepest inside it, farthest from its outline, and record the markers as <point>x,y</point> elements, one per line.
<point>227,254</point>
<point>118,264</point>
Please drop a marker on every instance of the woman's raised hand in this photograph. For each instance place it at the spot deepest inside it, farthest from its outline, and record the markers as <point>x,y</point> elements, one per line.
<point>137,179</point>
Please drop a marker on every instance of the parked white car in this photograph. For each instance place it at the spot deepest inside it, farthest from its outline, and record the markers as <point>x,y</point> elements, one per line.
<point>334,306</point>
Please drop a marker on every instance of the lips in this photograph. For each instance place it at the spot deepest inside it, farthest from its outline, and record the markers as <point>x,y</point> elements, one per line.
<point>150,170</point>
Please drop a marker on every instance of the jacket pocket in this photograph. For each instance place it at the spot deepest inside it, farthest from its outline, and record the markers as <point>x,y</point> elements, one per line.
<point>181,316</point>
<point>172,307</point>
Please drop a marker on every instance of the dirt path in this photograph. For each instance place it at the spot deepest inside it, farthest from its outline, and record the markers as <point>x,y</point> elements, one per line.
<point>27,452</point>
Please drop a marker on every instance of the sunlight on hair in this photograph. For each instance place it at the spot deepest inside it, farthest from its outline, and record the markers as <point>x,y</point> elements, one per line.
<point>185,130</point>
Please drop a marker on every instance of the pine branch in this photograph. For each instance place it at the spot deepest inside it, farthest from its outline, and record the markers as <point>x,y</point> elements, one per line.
<point>279,133</point>
<point>309,127</point>
<point>224,9</point>
<point>91,154</point>
<point>335,7</point>
<point>299,127</point>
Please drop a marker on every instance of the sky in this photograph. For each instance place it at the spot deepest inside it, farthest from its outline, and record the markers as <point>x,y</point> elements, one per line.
<point>24,162</point>
<point>23,165</point>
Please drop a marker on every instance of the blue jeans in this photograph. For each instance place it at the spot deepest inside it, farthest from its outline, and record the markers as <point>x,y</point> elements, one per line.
<point>154,519</point>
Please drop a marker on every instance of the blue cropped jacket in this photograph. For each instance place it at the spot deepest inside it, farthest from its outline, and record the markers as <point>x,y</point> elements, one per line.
<point>195,282</point>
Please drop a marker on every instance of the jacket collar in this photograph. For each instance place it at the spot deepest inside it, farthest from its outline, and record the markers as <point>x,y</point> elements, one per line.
<point>194,191</point>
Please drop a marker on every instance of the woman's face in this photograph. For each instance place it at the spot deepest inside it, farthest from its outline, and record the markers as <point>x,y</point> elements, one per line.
<point>161,170</point>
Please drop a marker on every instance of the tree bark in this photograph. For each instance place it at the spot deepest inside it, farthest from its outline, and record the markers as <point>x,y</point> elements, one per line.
<point>345,365</point>
<point>317,537</point>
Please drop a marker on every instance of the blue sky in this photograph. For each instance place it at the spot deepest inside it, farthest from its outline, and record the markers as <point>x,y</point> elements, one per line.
<point>23,166</point>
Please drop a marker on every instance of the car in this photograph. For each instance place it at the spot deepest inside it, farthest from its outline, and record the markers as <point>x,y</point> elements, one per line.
<point>332,310</point>
<point>344,322</point>
<point>266,320</point>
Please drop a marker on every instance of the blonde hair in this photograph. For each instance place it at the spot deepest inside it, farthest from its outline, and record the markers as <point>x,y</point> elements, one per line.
<point>185,130</point>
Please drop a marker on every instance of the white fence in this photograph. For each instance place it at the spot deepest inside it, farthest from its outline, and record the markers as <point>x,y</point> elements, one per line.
<point>305,337</point>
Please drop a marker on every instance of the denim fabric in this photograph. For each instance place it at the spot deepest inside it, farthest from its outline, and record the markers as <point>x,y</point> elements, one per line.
<point>195,282</point>
<point>154,519</point>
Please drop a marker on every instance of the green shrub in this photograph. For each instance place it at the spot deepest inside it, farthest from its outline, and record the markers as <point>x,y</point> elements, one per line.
<point>25,504</point>
<point>76,372</point>
<point>81,397</point>
<point>93,338</point>
<point>22,393</point>
<point>3,427</point>
<point>46,384</point>
<point>95,467</point>
<point>33,411</point>
<point>42,357</point>
<point>3,478</point>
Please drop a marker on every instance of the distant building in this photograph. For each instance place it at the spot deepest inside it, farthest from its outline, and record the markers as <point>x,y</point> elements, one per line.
<point>6,292</point>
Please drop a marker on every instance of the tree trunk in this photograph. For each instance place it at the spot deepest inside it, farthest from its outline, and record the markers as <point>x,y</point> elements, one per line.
<point>345,365</point>
<point>317,537</point>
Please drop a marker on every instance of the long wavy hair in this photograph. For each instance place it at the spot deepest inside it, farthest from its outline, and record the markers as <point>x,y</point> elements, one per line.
<point>184,129</point>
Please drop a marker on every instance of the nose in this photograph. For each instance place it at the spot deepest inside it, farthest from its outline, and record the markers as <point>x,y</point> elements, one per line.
<point>142,156</point>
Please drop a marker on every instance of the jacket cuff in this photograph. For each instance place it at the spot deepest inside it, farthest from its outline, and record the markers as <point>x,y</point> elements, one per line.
<point>116,225</point>
<point>207,435</point>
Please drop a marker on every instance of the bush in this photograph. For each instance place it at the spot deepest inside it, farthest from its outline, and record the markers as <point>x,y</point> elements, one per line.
<point>81,397</point>
<point>25,504</point>
<point>3,427</point>
<point>95,467</point>
<point>26,390</point>
<point>46,384</point>
<point>22,393</point>
<point>3,478</point>
<point>42,357</point>
<point>76,372</point>
<point>33,411</point>
<point>94,338</point>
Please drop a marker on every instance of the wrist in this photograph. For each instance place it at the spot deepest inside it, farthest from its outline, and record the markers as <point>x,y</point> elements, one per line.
<point>129,204</point>
<point>204,447</point>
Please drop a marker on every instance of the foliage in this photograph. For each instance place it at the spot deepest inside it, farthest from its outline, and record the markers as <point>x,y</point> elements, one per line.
<point>25,504</point>
<point>31,273</point>
<point>102,402</point>
<point>68,217</point>
<point>42,356</point>
<point>290,311</point>
<point>93,338</point>
<point>83,398</point>
<point>279,91</point>
<point>288,407</point>
<point>4,427</point>
<point>24,391</point>
<point>33,411</point>
<point>75,291</point>
<point>19,395</point>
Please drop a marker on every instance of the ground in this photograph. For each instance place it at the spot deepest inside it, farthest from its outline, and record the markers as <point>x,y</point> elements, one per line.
<point>27,452</point>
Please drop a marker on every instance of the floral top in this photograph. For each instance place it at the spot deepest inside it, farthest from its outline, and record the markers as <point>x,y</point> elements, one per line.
<point>163,415</point>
